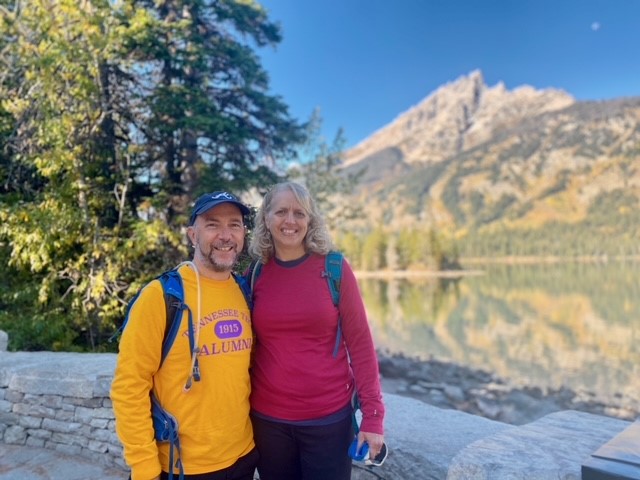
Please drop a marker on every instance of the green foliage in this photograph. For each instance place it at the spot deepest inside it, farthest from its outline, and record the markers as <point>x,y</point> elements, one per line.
<point>30,325</point>
<point>409,245</point>
<point>210,117</point>
<point>321,173</point>
<point>423,248</point>
<point>113,117</point>
<point>374,250</point>
<point>351,246</point>
<point>407,249</point>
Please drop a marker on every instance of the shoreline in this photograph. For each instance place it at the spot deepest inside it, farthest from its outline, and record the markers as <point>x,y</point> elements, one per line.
<point>388,274</point>
<point>451,386</point>
<point>505,260</point>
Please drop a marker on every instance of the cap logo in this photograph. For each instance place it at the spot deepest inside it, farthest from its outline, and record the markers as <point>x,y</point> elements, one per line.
<point>220,195</point>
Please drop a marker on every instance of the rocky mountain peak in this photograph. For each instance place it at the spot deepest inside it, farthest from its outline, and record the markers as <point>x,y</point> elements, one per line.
<point>457,117</point>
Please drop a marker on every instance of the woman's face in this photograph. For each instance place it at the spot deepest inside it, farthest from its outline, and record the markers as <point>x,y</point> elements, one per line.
<point>288,223</point>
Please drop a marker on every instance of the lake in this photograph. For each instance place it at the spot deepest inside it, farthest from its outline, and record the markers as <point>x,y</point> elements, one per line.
<point>575,325</point>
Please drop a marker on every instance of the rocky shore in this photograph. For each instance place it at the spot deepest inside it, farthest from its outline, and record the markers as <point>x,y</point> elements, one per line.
<point>446,385</point>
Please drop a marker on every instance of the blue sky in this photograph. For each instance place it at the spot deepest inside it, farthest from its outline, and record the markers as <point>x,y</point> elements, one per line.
<point>362,63</point>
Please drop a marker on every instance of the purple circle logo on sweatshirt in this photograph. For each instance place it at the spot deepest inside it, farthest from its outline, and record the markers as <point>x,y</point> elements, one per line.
<point>228,329</point>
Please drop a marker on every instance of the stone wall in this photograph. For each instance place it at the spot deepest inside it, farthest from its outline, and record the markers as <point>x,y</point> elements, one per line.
<point>61,401</point>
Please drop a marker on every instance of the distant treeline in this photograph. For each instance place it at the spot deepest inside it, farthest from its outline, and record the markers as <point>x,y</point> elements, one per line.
<point>611,228</point>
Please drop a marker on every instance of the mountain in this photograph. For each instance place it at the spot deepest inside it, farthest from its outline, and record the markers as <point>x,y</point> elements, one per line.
<point>474,158</point>
<point>458,117</point>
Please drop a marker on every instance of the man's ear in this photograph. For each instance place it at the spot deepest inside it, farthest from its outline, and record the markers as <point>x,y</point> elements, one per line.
<point>191,234</point>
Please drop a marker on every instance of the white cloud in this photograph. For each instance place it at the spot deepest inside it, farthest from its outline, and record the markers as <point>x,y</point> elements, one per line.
<point>595,26</point>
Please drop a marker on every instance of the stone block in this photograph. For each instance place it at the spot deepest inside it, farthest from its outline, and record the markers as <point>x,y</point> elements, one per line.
<point>30,422</point>
<point>32,399</point>
<point>51,401</point>
<point>101,423</point>
<point>39,433</point>
<point>102,385</point>
<point>105,413</point>
<point>33,410</point>
<point>65,416</point>
<point>69,439</point>
<point>5,406</point>
<point>115,450</point>
<point>551,448</point>
<point>35,442</point>
<point>8,418</point>
<point>85,415</point>
<point>619,458</point>
<point>13,396</point>
<point>55,373</point>
<point>96,446</point>
<point>62,427</point>
<point>93,402</point>
<point>55,382</point>
<point>104,435</point>
<point>423,439</point>
<point>15,435</point>
<point>64,448</point>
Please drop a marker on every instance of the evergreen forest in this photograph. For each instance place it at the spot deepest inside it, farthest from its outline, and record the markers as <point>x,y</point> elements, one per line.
<point>114,116</point>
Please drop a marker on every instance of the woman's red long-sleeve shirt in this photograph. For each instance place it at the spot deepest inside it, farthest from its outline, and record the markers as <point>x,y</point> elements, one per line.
<point>295,375</point>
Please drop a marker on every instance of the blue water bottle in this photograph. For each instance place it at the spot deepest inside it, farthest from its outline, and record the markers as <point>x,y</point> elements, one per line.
<point>358,454</point>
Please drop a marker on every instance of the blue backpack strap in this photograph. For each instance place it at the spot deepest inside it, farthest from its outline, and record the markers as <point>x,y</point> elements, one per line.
<point>165,427</point>
<point>255,267</point>
<point>333,266</point>
<point>173,290</point>
<point>245,288</point>
<point>333,273</point>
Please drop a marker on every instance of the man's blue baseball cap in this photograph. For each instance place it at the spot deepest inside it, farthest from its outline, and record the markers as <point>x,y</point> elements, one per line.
<point>210,200</point>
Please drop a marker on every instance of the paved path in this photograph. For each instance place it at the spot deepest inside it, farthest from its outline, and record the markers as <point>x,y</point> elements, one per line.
<point>27,463</point>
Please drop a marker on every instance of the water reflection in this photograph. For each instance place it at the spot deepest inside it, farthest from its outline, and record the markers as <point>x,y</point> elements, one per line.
<point>574,325</point>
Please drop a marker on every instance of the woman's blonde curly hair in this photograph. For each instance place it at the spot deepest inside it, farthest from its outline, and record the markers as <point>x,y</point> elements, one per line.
<point>317,239</point>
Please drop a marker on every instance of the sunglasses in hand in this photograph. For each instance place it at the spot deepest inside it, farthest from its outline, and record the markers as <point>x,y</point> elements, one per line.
<point>379,459</point>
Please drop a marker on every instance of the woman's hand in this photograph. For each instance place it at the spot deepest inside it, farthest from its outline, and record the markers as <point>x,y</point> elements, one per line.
<point>374,440</point>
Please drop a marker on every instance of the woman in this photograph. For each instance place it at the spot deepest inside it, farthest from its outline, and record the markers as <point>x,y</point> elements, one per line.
<point>302,392</point>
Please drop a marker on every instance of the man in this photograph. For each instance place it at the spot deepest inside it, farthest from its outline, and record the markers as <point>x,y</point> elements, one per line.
<point>215,434</point>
